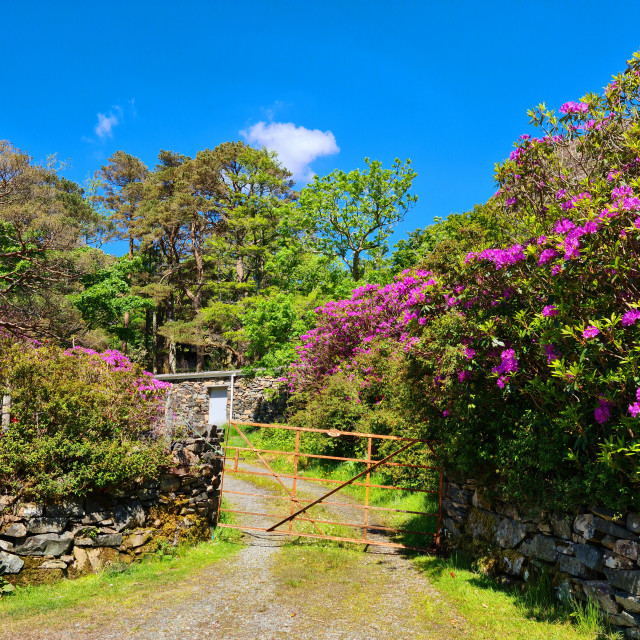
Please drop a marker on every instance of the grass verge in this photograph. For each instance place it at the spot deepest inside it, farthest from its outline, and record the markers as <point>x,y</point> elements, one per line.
<point>117,586</point>
<point>499,612</point>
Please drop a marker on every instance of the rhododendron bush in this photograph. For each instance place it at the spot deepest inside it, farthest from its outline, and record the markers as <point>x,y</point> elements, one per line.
<point>80,421</point>
<point>523,359</point>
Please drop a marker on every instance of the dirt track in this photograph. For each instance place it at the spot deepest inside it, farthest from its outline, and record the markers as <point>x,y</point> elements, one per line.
<point>269,592</point>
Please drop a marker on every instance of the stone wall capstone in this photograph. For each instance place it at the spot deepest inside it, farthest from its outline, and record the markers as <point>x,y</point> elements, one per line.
<point>593,554</point>
<point>41,543</point>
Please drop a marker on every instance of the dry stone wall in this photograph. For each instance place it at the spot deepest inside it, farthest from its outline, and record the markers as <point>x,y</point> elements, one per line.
<point>41,543</point>
<point>590,555</point>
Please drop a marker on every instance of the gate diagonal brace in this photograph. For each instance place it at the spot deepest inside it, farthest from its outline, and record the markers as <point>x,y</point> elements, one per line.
<point>344,484</point>
<point>275,475</point>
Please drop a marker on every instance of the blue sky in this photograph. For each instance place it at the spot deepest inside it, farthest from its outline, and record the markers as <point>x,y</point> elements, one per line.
<point>446,84</point>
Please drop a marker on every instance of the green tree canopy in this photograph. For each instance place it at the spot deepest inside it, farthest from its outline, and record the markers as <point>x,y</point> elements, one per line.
<point>351,215</point>
<point>44,221</point>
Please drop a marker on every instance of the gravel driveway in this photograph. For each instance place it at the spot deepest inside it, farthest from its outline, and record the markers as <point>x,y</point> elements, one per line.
<point>266,592</point>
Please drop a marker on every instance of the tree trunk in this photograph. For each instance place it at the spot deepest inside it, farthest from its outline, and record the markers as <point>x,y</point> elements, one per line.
<point>196,298</point>
<point>355,266</point>
<point>125,325</point>
<point>199,358</point>
<point>127,317</point>
<point>172,356</point>
<point>154,341</point>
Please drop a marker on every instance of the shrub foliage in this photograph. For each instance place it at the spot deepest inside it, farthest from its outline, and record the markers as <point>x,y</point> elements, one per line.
<point>522,359</point>
<point>80,421</point>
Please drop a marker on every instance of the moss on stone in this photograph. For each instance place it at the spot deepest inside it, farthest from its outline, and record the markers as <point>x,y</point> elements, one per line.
<point>32,573</point>
<point>176,528</point>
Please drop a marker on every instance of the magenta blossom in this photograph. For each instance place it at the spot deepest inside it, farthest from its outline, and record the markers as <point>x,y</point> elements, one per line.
<point>564,225</point>
<point>508,364</point>
<point>547,255</point>
<point>630,317</point>
<point>469,353</point>
<point>590,332</point>
<point>603,411</point>
<point>574,107</point>
<point>550,310</point>
<point>550,352</point>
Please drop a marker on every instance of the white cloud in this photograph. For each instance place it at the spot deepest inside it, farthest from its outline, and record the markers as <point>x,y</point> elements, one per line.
<point>297,147</point>
<point>106,123</point>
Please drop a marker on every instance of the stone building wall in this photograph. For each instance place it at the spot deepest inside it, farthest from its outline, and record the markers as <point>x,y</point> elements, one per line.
<point>254,400</point>
<point>41,543</point>
<point>589,555</point>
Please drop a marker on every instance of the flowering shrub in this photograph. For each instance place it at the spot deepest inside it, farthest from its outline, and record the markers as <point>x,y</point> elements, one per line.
<point>523,359</point>
<point>80,421</point>
<point>346,327</point>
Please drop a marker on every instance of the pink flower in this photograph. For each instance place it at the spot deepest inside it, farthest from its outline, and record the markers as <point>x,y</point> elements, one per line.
<point>550,310</point>
<point>622,191</point>
<point>602,411</point>
<point>550,353</point>
<point>630,317</point>
<point>590,332</point>
<point>508,364</point>
<point>564,225</point>
<point>574,107</point>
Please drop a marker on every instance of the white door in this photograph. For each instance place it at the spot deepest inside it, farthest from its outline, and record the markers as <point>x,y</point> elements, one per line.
<point>218,405</point>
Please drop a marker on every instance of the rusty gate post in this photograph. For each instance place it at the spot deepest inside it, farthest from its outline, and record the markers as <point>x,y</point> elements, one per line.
<point>366,492</point>
<point>295,477</point>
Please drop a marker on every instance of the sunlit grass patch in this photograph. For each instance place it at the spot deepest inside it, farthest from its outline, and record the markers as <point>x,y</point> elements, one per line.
<point>497,612</point>
<point>118,586</point>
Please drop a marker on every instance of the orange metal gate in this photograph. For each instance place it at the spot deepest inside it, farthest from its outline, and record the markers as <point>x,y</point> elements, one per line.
<point>281,469</point>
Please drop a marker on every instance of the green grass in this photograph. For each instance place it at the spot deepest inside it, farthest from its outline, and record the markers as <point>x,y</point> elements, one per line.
<point>118,586</point>
<point>500,612</point>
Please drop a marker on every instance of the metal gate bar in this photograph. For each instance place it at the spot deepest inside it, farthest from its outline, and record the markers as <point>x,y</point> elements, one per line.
<point>337,504</point>
<point>299,505</point>
<point>355,484</point>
